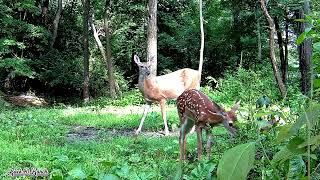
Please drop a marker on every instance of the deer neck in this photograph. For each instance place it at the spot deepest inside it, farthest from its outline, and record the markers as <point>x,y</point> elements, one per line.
<point>141,82</point>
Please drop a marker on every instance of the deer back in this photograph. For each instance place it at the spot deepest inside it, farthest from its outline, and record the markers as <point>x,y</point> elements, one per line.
<point>197,106</point>
<point>171,85</point>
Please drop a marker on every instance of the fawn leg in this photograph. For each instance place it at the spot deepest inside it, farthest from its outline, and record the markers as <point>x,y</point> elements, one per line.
<point>164,116</point>
<point>199,139</point>
<point>186,125</point>
<point>145,112</point>
<point>209,142</point>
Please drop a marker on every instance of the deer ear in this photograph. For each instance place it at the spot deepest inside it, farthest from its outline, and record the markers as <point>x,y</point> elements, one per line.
<point>137,60</point>
<point>235,106</point>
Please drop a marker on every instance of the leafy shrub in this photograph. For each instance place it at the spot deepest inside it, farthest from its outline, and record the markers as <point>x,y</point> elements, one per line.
<point>133,97</point>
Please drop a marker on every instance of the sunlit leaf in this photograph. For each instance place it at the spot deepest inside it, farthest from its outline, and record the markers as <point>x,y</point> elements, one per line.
<point>284,132</point>
<point>297,168</point>
<point>77,173</point>
<point>301,38</point>
<point>237,162</point>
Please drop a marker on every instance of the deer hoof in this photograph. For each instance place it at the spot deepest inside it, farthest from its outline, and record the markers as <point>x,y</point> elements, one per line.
<point>138,131</point>
<point>167,133</point>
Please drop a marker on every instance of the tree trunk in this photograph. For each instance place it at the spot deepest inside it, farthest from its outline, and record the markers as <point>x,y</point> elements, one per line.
<point>285,65</point>
<point>86,16</point>
<point>259,43</point>
<point>152,36</point>
<point>113,86</point>
<point>305,52</point>
<point>44,10</point>
<point>280,43</point>
<point>281,86</point>
<point>56,23</point>
<point>202,41</point>
<point>237,33</point>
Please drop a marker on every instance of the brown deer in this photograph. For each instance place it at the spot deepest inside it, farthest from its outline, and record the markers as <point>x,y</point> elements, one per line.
<point>160,88</point>
<point>195,108</point>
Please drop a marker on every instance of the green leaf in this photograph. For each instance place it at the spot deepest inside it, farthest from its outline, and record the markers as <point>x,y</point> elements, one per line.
<point>284,132</point>
<point>293,145</point>
<point>281,156</point>
<point>301,38</point>
<point>109,177</point>
<point>178,173</point>
<point>237,162</point>
<point>297,168</point>
<point>315,140</point>
<point>77,173</point>
<point>316,46</point>
<point>300,20</point>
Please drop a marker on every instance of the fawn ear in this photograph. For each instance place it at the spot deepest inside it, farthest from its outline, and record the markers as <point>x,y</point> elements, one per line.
<point>137,60</point>
<point>235,107</point>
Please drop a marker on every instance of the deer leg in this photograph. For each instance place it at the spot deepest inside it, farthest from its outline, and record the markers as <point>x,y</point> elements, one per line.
<point>164,116</point>
<point>145,112</point>
<point>209,142</point>
<point>184,130</point>
<point>199,140</point>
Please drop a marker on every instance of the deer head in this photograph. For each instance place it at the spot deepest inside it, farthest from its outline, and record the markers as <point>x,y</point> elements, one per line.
<point>144,67</point>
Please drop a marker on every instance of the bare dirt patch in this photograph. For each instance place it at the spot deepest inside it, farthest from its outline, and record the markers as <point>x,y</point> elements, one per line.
<point>87,133</point>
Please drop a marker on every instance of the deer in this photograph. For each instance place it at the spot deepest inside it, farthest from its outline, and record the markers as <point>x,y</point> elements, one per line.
<point>196,109</point>
<point>161,88</point>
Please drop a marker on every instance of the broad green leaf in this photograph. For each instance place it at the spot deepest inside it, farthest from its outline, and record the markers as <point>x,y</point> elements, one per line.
<point>315,140</point>
<point>283,133</point>
<point>316,83</point>
<point>77,173</point>
<point>293,145</point>
<point>123,171</point>
<point>281,156</point>
<point>312,113</point>
<point>237,162</point>
<point>297,168</point>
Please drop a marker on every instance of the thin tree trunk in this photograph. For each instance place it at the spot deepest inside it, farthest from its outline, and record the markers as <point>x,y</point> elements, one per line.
<point>305,53</point>
<point>113,86</point>
<point>237,33</point>
<point>281,86</point>
<point>259,42</point>
<point>44,10</point>
<point>56,23</point>
<point>86,16</point>
<point>286,65</point>
<point>202,41</point>
<point>280,43</point>
<point>152,36</point>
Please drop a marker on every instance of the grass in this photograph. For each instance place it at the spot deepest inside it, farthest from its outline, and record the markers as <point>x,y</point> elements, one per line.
<point>39,138</point>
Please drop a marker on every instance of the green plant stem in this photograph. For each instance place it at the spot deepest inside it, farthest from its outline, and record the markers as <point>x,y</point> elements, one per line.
<point>265,154</point>
<point>315,169</point>
<point>309,136</point>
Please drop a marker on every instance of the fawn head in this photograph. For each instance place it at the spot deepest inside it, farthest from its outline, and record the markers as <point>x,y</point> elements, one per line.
<point>231,116</point>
